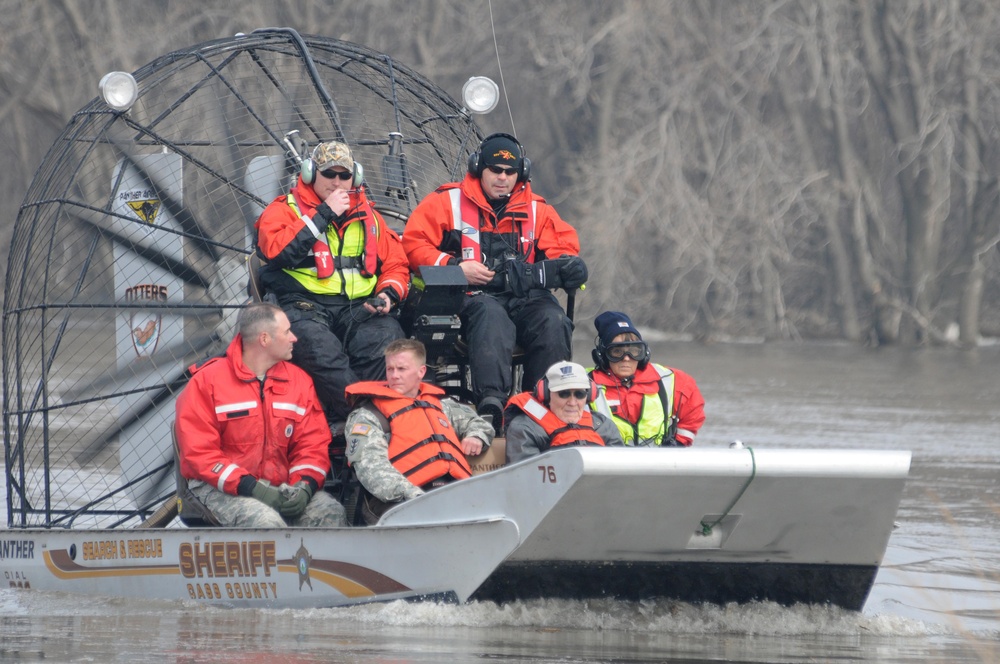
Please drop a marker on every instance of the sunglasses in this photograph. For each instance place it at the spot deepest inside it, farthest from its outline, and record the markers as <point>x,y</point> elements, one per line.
<point>500,170</point>
<point>566,394</point>
<point>331,174</point>
<point>617,352</point>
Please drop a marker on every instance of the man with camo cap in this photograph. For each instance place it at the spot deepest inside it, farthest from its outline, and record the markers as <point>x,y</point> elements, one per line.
<point>402,438</point>
<point>337,270</point>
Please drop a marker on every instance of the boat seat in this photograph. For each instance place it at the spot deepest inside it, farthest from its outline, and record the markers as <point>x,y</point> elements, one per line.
<point>430,315</point>
<point>192,512</point>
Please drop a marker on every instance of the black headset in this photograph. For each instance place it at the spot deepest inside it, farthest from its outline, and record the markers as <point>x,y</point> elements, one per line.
<point>308,171</point>
<point>476,164</point>
<point>600,354</point>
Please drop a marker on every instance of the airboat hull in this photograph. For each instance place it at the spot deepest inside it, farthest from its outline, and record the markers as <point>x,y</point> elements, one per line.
<point>696,525</point>
<point>261,568</point>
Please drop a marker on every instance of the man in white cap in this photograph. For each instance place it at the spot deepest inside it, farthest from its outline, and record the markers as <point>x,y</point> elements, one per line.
<point>337,270</point>
<point>555,414</point>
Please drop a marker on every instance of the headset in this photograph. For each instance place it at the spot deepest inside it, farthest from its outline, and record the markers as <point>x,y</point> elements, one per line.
<point>542,393</point>
<point>600,354</point>
<point>476,165</point>
<point>307,169</point>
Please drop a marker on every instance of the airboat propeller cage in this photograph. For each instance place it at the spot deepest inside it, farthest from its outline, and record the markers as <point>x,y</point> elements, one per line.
<point>128,261</point>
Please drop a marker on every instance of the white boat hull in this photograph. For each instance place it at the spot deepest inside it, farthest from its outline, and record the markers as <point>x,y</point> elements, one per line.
<point>302,567</point>
<point>799,526</point>
<point>697,525</point>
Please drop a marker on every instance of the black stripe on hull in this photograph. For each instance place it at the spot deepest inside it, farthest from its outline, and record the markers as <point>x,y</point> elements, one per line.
<point>846,586</point>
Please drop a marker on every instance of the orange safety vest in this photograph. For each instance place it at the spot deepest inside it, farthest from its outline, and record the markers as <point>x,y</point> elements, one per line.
<point>559,431</point>
<point>423,445</point>
<point>465,220</point>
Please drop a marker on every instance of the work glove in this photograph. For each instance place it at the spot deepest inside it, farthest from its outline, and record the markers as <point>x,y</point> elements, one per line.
<point>573,272</point>
<point>523,277</point>
<point>267,494</point>
<point>297,497</point>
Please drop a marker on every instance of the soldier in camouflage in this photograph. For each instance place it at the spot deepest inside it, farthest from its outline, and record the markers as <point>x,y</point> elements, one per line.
<point>404,419</point>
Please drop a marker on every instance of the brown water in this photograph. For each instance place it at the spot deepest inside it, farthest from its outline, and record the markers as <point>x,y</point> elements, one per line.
<point>936,599</point>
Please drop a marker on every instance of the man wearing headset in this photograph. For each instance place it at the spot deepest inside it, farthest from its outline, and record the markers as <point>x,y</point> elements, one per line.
<point>513,248</point>
<point>652,405</point>
<point>337,270</point>
<point>555,414</point>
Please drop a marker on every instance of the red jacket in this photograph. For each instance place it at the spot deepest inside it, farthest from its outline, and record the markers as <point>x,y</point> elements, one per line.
<point>430,238</point>
<point>626,402</point>
<point>224,431</point>
<point>285,241</point>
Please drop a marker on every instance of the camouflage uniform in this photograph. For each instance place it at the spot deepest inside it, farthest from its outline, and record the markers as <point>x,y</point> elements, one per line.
<point>368,447</point>
<point>323,510</point>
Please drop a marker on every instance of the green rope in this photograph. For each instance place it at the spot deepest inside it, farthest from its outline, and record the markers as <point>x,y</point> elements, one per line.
<point>706,528</point>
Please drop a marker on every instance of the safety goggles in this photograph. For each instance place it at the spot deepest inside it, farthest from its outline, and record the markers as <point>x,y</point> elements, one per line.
<point>618,351</point>
<point>331,174</point>
<point>500,170</point>
<point>566,394</point>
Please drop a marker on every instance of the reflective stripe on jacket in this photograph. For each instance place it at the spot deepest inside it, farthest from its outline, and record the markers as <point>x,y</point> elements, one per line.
<point>355,256</point>
<point>465,220</point>
<point>423,445</point>
<point>559,431</point>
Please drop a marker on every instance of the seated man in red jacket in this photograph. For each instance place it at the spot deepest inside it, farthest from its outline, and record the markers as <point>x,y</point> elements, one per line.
<point>252,437</point>
<point>556,414</point>
<point>402,438</point>
<point>652,404</point>
<point>514,248</point>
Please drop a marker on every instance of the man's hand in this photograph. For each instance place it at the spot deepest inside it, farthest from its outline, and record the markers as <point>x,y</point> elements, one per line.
<point>472,446</point>
<point>383,308</point>
<point>573,272</point>
<point>524,277</point>
<point>299,496</point>
<point>338,200</point>
<point>267,494</point>
<point>476,273</point>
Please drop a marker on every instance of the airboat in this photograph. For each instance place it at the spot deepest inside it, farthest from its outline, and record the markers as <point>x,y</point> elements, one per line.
<point>129,262</point>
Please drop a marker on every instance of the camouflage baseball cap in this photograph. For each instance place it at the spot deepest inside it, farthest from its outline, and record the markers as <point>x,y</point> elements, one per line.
<point>328,155</point>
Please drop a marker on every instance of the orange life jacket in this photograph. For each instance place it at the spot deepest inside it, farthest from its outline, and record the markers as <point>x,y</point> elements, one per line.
<point>559,431</point>
<point>423,445</point>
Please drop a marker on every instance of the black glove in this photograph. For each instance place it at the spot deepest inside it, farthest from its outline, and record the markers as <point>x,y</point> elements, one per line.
<point>522,277</point>
<point>573,271</point>
<point>322,217</point>
<point>267,494</point>
<point>298,497</point>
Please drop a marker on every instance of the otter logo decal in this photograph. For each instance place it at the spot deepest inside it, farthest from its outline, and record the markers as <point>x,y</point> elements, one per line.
<point>145,325</point>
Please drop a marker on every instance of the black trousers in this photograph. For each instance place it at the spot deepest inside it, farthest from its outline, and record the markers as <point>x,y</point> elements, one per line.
<point>339,344</point>
<point>493,324</point>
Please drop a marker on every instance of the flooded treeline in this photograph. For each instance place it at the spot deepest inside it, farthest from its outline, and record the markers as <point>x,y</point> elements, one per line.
<point>778,169</point>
